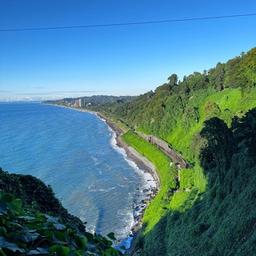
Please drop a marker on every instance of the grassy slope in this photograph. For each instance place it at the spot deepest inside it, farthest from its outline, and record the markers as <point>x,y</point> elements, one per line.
<point>223,221</point>
<point>231,102</point>
<point>166,174</point>
<point>176,112</point>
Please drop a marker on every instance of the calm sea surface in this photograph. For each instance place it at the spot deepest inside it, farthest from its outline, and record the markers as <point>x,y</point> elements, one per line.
<point>72,152</point>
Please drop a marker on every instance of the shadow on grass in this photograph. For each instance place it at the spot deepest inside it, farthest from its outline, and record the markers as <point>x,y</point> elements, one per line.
<point>223,219</point>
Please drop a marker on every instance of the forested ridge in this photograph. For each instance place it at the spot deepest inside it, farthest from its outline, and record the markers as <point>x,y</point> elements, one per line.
<point>176,106</point>
<point>209,118</point>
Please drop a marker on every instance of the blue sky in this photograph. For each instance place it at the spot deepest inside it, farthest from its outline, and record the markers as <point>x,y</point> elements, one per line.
<point>117,60</point>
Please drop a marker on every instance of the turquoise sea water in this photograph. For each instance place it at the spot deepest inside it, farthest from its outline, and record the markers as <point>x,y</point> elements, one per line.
<point>72,152</point>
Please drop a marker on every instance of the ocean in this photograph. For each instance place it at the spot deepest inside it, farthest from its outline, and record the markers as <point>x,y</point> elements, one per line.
<point>75,153</point>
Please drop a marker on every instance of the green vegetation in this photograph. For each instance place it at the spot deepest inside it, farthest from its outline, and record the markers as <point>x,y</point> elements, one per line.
<point>178,110</point>
<point>201,217</point>
<point>224,104</point>
<point>221,221</point>
<point>172,195</point>
<point>37,224</point>
<point>179,198</point>
<point>166,173</point>
<point>92,101</point>
<point>186,178</point>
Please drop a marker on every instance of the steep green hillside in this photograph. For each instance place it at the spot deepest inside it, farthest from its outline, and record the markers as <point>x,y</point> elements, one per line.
<point>177,112</point>
<point>33,222</point>
<point>178,109</point>
<point>223,219</point>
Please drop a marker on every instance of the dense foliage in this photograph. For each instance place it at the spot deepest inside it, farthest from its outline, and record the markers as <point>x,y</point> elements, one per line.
<point>177,112</point>
<point>223,219</point>
<point>37,224</point>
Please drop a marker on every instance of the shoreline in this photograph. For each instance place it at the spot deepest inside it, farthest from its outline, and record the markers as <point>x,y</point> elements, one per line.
<point>145,166</point>
<point>142,163</point>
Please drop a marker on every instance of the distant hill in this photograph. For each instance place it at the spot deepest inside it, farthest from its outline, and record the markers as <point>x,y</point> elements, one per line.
<point>92,101</point>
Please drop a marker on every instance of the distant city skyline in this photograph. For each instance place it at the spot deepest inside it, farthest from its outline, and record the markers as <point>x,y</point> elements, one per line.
<point>125,60</point>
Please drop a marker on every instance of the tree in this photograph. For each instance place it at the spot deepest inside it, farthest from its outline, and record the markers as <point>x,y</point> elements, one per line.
<point>173,80</point>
